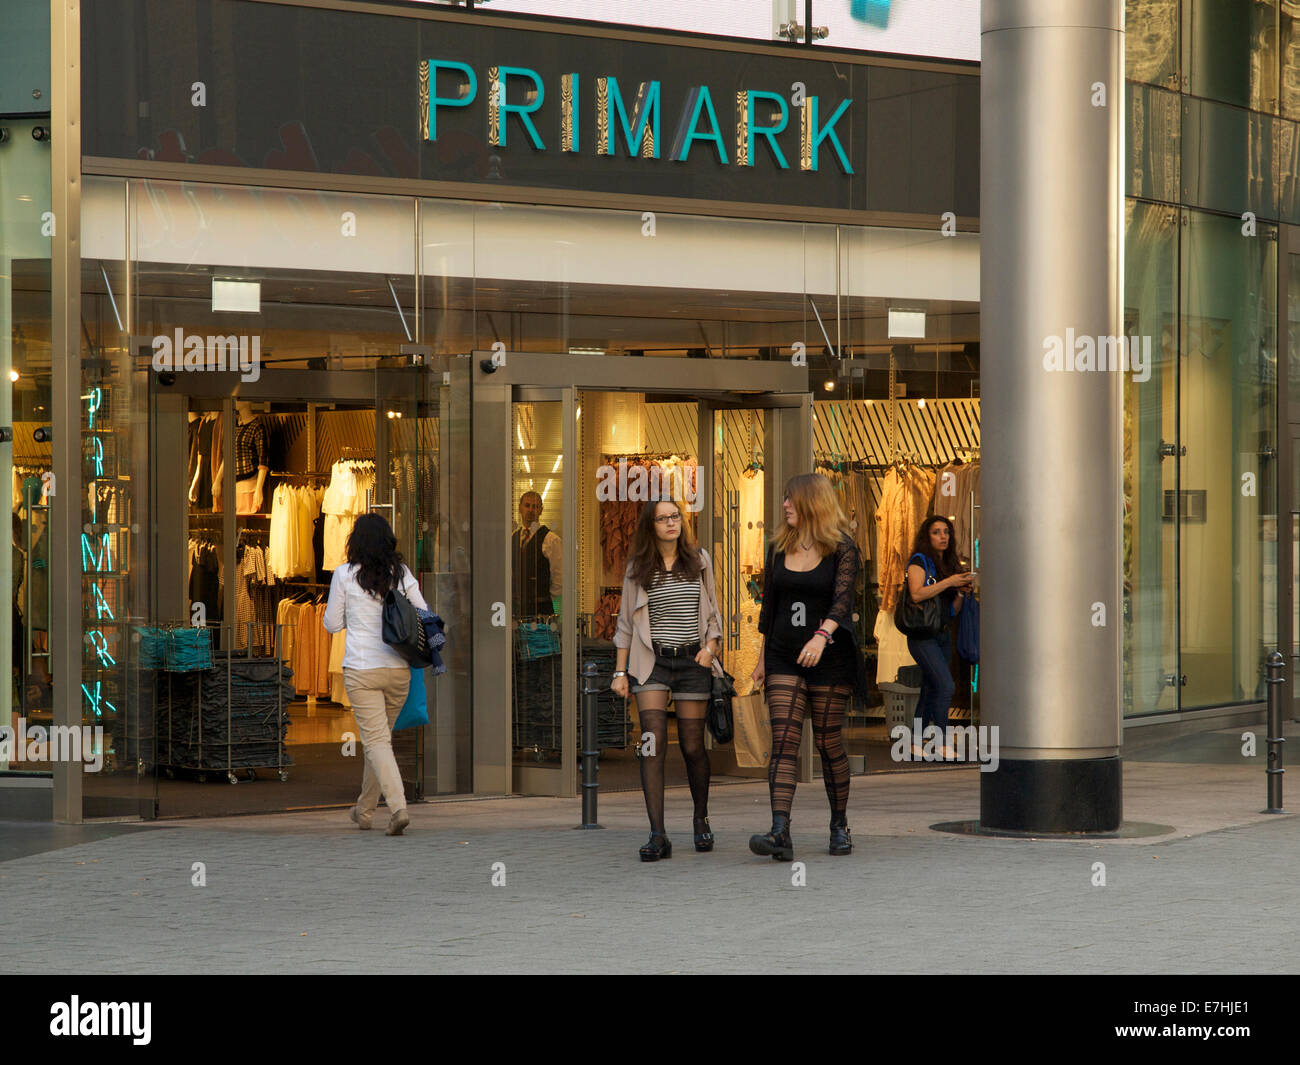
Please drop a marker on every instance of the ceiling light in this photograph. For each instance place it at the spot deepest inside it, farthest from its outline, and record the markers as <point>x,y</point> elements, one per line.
<point>13,375</point>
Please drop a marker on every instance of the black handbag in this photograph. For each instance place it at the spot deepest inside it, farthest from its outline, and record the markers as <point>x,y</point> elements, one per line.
<point>403,630</point>
<point>923,620</point>
<point>718,718</point>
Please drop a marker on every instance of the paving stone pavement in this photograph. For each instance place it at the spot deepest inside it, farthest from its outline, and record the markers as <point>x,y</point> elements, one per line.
<point>309,893</point>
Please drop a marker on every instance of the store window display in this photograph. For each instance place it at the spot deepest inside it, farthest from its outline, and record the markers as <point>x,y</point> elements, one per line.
<point>251,449</point>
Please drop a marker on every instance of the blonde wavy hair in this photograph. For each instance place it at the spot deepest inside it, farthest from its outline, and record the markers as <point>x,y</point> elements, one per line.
<point>818,513</point>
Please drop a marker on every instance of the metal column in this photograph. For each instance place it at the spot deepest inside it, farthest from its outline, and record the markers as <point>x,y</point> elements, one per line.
<point>1051,266</point>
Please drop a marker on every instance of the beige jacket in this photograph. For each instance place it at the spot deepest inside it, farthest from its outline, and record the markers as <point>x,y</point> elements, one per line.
<point>634,622</point>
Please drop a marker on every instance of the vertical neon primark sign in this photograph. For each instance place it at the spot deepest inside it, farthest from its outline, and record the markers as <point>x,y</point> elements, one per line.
<point>521,92</point>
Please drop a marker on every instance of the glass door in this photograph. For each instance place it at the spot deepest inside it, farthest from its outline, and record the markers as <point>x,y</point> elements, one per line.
<point>406,434</point>
<point>540,504</point>
<point>753,449</point>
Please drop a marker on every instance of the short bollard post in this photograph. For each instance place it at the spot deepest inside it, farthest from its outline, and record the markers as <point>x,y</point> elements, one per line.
<point>1275,740</point>
<point>590,745</point>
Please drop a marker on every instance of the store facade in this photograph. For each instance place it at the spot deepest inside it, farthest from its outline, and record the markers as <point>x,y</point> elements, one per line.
<point>433,262</point>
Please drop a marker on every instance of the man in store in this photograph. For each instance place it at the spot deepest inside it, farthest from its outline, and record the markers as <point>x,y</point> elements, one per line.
<point>537,561</point>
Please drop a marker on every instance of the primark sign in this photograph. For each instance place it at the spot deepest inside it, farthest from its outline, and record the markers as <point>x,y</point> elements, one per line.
<point>500,109</point>
<point>603,116</point>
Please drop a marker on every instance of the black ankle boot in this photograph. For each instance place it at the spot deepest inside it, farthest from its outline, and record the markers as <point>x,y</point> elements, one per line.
<point>841,843</point>
<point>656,847</point>
<point>777,841</point>
<point>703,834</point>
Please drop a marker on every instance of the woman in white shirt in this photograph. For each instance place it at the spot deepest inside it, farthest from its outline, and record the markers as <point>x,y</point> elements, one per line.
<point>376,677</point>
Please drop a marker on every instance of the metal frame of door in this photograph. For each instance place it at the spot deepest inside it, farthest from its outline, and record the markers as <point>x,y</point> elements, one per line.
<point>168,408</point>
<point>1287,469</point>
<point>498,380</point>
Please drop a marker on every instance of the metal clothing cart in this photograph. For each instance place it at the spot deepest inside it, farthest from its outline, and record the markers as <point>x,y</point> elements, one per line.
<point>227,717</point>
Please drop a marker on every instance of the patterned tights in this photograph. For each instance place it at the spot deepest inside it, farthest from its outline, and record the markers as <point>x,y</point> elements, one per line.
<point>788,700</point>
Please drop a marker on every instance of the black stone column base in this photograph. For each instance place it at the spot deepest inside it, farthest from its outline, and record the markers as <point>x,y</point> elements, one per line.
<point>1053,795</point>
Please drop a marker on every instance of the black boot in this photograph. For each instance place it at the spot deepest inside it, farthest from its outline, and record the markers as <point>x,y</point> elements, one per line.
<point>777,841</point>
<point>841,843</point>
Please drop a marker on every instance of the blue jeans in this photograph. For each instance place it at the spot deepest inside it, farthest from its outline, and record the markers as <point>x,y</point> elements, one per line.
<point>937,685</point>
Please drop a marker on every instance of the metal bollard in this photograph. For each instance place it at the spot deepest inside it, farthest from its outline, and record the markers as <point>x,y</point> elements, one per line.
<point>1275,739</point>
<point>590,746</point>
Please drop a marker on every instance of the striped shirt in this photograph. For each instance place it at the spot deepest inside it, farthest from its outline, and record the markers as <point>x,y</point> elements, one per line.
<point>674,609</point>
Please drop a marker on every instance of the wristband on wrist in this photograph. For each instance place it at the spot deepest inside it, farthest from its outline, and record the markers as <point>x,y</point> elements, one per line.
<point>825,635</point>
<point>619,673</point>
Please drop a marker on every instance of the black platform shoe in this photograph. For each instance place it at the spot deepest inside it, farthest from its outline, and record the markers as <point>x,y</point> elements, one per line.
<point>703,840</point>
<point>841,842</point>
<point>776,842</point>
<point>658,846</point>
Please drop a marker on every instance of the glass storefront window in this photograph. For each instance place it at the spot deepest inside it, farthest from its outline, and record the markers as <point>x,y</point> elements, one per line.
<point>1228,378</point>
<point>1231,52</point>
<point>1150,421</point>
<point>25,404</point>
<point>1151,42</point>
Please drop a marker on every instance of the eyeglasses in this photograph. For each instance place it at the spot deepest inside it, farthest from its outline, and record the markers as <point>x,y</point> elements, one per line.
<point>665,519</point>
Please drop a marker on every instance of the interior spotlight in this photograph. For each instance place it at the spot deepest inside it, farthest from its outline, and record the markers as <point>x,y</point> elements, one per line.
<point>40,133</point>
<point>829,385</point>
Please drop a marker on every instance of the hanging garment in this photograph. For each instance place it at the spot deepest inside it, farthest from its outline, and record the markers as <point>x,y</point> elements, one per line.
<point>344,500</point>
<point>322,655</point>
<point>304,650</point>
<point>892,653</point>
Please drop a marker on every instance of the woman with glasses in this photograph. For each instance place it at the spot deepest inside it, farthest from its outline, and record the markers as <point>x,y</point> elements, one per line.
<point>669,627</point>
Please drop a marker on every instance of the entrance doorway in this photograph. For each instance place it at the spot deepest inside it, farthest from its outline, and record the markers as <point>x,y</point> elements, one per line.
<point>252,513</point>
<point>589,436</point>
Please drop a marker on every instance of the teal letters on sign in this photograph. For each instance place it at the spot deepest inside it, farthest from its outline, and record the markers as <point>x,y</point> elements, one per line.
<point>524,111</point>
<point>828,131</point>
<point>648,113</point>
<point>463,100</point>
<point>686,132</point>
<point>767,132</point>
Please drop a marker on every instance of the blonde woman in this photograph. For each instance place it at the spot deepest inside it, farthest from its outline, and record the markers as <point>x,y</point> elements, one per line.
<point>809,658</point>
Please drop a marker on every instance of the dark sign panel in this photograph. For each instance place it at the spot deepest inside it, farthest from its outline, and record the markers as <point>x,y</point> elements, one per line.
<point>237,83</point>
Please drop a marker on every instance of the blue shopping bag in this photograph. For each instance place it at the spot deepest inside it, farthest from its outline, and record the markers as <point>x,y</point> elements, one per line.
<point>415,711</point>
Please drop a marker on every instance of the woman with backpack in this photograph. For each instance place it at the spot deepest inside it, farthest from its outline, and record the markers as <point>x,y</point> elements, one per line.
<point>375,676</point>
<point>934,569</point>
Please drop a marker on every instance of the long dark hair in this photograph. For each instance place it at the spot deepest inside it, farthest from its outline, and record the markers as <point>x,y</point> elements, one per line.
<point>372,547</point>
<point>645,558</point>
<point>946,564</point>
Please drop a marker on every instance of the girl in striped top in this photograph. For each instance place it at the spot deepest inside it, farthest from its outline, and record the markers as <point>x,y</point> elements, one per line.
<point>669,629</point>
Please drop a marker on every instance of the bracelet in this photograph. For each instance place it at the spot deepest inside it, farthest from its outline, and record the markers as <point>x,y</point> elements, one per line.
<point>825,635</point>
<point>619,673</point>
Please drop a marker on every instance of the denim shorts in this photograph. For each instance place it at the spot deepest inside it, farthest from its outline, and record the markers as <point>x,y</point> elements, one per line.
<point>680,677</point>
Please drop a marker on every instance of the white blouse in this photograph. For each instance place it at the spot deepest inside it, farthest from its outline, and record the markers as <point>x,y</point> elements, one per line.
<point>351,607</point>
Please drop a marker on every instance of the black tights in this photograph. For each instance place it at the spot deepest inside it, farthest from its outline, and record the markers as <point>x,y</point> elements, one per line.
<point>788,701</point>
<point>690,737</point>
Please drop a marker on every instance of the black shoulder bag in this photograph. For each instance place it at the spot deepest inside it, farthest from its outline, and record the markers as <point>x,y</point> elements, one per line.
<point>403,630</point>
<point>718,719</point>
<point>923,620</point>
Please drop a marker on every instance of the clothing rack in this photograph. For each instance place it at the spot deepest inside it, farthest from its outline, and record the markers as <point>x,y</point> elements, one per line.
<point>299,476</point>
<point>350,453</point>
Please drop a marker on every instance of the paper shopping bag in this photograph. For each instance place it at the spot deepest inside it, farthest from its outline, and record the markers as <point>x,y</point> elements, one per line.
<point>753,739</point>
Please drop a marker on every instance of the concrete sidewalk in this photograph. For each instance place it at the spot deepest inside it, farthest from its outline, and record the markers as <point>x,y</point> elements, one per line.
<point>310,893</point>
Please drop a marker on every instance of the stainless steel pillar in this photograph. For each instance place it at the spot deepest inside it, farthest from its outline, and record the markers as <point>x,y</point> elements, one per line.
<point>66,631</point>
<point>1051,266</point>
